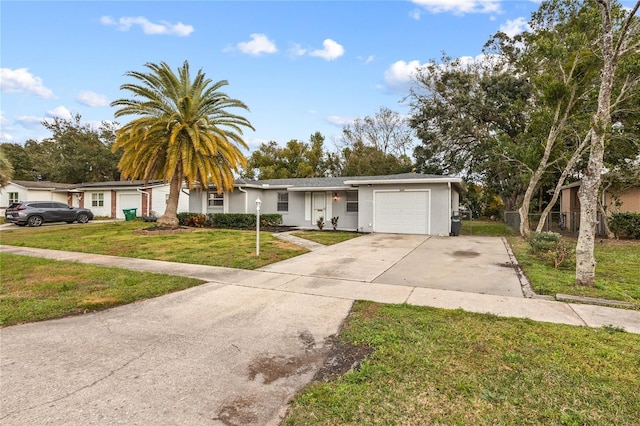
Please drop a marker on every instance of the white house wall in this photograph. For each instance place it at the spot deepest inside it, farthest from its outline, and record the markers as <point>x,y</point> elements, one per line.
<point>99,210</point>
<point>159,200</point>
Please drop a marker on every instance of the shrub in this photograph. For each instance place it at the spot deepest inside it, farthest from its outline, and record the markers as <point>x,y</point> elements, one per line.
<point>540,242</point>
<point>182,218</point>
<point>320,222</point>
<point>197,221</point>
<point>550,246</point>
<point>625,225</point>
<point>243,220</point>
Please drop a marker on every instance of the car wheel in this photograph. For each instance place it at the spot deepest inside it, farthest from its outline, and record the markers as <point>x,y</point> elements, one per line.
<point>83,218</point>
<point>35,221</point>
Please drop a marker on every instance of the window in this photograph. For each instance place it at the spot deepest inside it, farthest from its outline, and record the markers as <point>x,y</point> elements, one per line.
<point>283,201</point>
<point>97,199</point>
<point>352,201</point>
<point>216,200</point>
<point>13,197</point>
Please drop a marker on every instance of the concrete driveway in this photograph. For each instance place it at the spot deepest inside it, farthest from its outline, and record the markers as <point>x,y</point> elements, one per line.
<point>470,264</point>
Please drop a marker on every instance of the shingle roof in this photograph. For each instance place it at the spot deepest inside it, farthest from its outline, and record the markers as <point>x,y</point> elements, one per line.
<point>323,182</point>
<point>43,184</point>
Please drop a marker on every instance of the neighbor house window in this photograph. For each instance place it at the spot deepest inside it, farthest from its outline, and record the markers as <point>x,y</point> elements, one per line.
<point>97,199</point>
<point>283,201</point>
<point>13,197</point>
<point>352,201</point>
<point>216,200</point>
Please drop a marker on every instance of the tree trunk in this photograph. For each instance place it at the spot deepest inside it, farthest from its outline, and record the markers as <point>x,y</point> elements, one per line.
<point>170,217</point>
<point>567,169</point>
<point>588,192</point>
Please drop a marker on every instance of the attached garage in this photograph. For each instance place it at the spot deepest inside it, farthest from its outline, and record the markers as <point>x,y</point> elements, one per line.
<point>129,201</point>
<point>402,212</point>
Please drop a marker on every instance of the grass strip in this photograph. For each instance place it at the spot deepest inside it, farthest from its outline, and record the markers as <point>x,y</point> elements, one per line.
<point>437,367</point>
<point>35,289</point>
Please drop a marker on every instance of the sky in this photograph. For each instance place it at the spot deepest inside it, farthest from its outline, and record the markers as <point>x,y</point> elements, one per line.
<point>300,66</point>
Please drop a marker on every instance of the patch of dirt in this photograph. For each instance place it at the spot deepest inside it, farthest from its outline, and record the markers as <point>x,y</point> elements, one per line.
<point>163,230</point>
<point>465,253</point>
<point>342,358</point>
<point>237,412</point>
<point>505,264</point>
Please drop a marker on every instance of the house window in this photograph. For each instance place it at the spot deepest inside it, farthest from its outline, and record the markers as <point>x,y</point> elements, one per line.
<point>352,201</point>
<point>216,200</point>
<point>13,197</point>
<point>97,199</point>
<point>283,201</point>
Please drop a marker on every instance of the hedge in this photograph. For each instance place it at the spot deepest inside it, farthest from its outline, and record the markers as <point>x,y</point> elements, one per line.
<point>626,225</point>
<point>231,220</point>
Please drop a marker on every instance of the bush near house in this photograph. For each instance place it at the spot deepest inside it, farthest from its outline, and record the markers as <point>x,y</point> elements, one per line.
<point>625,225</point>
<point>229,220</point>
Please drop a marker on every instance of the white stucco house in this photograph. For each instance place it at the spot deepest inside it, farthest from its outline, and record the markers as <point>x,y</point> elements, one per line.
<point>408,203</point>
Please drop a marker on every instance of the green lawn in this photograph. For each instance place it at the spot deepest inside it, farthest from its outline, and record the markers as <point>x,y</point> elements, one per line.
<point>326,237</point>
<point>34,289</point>
<point>617,276</point>
<point>489,228</point>
<point>214,247</point>
<point>438,367</point>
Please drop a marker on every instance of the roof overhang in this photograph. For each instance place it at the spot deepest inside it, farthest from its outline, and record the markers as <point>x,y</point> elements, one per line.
<point>318,188</point>
<point>402,181</point>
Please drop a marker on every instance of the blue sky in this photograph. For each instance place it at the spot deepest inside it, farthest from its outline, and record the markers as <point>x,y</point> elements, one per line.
<point>300,66</point>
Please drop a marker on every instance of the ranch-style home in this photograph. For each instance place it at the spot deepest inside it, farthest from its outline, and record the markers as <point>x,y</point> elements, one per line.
<point>408,203</point>
<point>107,199</point>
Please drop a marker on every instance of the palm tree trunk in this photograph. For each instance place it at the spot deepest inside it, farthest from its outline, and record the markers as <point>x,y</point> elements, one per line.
<point>170,216</point>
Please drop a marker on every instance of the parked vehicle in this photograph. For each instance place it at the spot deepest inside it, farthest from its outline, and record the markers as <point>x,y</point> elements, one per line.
<point>35,213</point>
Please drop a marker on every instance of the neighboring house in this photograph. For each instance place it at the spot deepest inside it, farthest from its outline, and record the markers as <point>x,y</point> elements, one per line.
<point>110,198</point>
<point>19,190</point>
<point>106,199</point>
<point>408,203</point>
<point>627,200</point>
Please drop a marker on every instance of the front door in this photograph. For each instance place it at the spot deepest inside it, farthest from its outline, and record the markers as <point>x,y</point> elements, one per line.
<point>319,207</point>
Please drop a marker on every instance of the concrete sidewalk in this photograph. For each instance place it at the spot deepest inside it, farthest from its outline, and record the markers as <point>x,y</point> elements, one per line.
<point>295,281</point>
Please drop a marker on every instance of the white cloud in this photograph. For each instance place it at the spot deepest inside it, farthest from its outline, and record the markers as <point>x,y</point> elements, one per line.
<point>29,121</point>
<point>4,121</point>
<point>331,50</point>
<point>400,73</point>
<point>258,45</point>
<point>416,14</point>
<point>366,60</point>
<point>21,80</point>
<point>460,7</point>
<point>164,28</point>
<point>60,112</point>
<point>297,50</point>
<point>339,121</point>
<point>92,99</point>
<point>515,26</point>
<point>5,137</point>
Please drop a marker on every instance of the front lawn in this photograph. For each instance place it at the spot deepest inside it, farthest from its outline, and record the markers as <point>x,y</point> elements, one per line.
<point>482,227</point>
<point>617,276</point>
<point>34,289</point>
<point>213,247</point>
<point>439,367</point>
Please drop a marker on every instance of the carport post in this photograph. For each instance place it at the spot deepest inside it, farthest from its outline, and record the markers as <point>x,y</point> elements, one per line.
<point>258,202</point>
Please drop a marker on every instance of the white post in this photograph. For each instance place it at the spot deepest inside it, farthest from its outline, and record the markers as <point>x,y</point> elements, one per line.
<point>258,202</point>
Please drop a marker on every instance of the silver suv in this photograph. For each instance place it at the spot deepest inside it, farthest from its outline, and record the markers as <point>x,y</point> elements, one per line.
<point>35,213</point>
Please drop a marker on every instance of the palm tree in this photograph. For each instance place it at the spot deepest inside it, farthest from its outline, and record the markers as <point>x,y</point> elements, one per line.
<point>6,170</point>
<point>183,131</point>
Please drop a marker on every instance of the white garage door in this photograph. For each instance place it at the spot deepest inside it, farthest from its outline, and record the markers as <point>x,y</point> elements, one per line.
<point>405,212</point>
<point>129,201</point>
